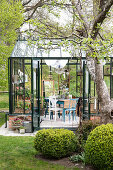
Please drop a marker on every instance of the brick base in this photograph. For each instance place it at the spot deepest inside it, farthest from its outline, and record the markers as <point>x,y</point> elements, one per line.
<point>95,118</point>
<point>22,117</point>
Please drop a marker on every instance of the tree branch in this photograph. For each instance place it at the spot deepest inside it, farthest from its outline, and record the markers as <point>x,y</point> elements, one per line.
<point>81,15</point>
<point>39,4</point>
<point>60,4</point>
<point>102,3</point>
<point>25,3</point>
<point>100,18</point>
<point>30,16</point>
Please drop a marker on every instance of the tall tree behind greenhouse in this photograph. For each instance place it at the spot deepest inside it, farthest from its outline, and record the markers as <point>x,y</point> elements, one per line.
<point>11,18</point>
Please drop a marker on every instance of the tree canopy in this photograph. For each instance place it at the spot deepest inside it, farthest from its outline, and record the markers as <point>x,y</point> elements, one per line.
<point>88,31</point>
<point>11,18</point>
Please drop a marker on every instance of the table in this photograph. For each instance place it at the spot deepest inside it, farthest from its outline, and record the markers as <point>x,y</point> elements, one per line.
<point>65,103</point>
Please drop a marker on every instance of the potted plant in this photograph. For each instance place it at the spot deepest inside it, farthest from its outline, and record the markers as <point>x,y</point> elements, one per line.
<point>19,92</point>
<point>27,94</point>
<point>17,122</point>
<point>22,129</point>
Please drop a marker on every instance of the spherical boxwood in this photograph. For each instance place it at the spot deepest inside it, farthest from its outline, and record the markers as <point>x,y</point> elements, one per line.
<point>99,147</point>
<point>55,143</point>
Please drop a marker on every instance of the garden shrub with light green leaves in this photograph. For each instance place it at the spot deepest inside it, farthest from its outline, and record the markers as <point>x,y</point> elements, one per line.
<point>55,143</point>
<point>99,147</point>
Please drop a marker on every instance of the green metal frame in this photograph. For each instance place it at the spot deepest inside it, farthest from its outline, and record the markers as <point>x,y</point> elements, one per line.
<point>38,84</point>
<point>111,79</point>
<point>38,93</point>
<point>83,89</point>
<point>89,93</point>
<point>40,71</point>
<point>32,94</point>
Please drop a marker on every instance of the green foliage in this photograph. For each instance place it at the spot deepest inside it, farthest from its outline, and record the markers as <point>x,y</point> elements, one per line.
<point>99,147</point>
<point>20,92</point>
<point>78,158</point>
<point>84,130</point>
<point>101,48</point>
<point>11,18</point>
<point>4,104</point>
<point>4,101</point>
<point>55,143</point>
<point>2,119</point>
<point>22,127</point>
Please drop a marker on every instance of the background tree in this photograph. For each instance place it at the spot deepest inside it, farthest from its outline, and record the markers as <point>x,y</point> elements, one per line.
<point>96,48</point>
<point>42,17</point>
<point>89,28</point>
<point>11,17</point>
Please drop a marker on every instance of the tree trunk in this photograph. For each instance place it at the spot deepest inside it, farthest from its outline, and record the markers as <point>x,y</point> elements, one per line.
<point>103,94</point>
<point>106,105</point>
<point>96,72</point>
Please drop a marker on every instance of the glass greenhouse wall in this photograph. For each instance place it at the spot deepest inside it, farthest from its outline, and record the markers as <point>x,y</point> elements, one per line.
<point>35,75</point>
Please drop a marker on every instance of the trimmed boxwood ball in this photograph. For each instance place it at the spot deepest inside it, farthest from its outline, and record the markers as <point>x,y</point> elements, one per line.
<point>55,143</point>
<point>99,147</point>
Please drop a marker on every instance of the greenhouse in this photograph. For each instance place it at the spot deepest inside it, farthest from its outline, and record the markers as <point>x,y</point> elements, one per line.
<point>49,87</point>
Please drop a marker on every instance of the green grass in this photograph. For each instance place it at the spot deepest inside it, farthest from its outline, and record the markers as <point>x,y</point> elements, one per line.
<point>18,153</point>
<point>4,101</point>
<point>2,119</point>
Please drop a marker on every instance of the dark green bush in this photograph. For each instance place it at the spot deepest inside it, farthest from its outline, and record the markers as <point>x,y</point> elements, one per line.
<point>99,147</point>
<point>55,143</point>
<point>84,130</point>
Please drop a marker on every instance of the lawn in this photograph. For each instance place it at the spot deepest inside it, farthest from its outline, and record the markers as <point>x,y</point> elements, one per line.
<point>2,119</point>
<point>4,105</point>
<point>4,101</point>
<point>19,153</point>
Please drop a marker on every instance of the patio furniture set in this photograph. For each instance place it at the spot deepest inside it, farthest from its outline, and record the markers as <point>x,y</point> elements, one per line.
<point>61,106</point>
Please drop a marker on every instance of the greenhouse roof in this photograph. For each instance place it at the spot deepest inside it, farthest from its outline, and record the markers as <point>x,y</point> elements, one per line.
<point>24,49</point>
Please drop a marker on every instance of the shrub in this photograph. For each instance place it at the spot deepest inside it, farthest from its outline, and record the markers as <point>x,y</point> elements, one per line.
<point>84,130</point>
<point>55,143</point>
<point>78,158</point>
<point>99,147</point>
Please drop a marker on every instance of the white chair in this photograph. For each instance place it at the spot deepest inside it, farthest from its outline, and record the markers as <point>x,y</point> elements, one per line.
<point>53,106</point>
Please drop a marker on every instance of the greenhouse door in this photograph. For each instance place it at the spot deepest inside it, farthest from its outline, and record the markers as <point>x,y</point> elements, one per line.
<point>35,67</point>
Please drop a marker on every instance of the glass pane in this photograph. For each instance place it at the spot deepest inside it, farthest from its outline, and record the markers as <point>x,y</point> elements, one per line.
<point>107,80</point>
<point>27,86</point>
<point>106,69</point>
<point>21,86</point>
<point>18,86</point>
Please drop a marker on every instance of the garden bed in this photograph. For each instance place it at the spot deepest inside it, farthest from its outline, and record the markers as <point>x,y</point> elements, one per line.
<point>65,162</point>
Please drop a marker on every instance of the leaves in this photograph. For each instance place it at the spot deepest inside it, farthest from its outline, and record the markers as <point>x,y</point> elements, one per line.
<point>11,17</point>
<point>55,143</point>
<point>99,147</point>
<point>78,158</point>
